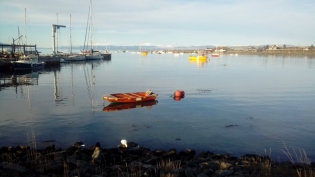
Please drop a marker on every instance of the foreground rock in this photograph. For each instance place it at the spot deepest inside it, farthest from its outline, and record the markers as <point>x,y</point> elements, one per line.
<point>139,161</point>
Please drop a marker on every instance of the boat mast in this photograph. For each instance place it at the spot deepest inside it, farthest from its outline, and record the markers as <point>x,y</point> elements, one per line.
<point>86,30</point>
<point>91,28</point>
<point>57,35</point>
<point>25,28</point>
<point>70,37</point>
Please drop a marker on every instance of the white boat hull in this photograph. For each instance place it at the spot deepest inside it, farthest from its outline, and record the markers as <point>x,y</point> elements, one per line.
<point>19,65</point>
<point>75,58</point>
<point>94,57</point>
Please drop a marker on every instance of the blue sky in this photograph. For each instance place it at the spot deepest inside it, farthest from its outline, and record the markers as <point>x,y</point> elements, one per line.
<point>167,23</point>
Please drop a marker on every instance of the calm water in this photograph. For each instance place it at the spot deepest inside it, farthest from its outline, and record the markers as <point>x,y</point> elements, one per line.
<point>268,100</point>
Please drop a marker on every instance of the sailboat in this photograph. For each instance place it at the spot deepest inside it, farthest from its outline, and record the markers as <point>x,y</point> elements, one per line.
<point>215,54</point>
<point>73,57</point>
<point>29,61</point>
<point>143,51</point>
<point>92,55</point>
<point>202,56</point>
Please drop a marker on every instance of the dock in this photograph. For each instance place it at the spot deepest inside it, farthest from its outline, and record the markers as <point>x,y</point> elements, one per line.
<point>107,56</point>
<point>50,60</point>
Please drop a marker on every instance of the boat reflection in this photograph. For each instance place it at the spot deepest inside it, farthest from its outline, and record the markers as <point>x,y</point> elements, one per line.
<point>200,63</point>
<point>125,106</point>
<point>18,78</point>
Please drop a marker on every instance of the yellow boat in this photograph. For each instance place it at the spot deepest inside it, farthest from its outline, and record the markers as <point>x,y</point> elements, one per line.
<point>199,57</point>
<point>144,53</point>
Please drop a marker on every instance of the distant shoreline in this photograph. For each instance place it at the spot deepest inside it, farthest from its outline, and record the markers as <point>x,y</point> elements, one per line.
<point>276,52</point>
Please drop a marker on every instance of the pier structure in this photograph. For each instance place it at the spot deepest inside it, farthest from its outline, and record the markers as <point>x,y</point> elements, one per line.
<point>15,50</point>
<point>11,52</point>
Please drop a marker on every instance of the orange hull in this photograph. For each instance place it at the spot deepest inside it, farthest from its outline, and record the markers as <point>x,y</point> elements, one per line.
<point>130,97</point>
<point>124,106</point>
<point>215,55</point>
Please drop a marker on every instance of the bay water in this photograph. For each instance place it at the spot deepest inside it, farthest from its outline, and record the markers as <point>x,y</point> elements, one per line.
<point>233,104</point>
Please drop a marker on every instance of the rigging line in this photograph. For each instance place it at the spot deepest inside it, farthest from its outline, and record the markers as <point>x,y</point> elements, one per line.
<point>19,49</point>
<point>25,26</point>
<point>91,27</point>
<point>87,24</point>
<point>88,37</point>
<point>70,37</point>
<point>57,34</point>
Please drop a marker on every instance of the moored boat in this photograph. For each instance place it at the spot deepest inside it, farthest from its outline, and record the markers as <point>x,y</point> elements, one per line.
<point>130,97</point>
<point>28,62</point>
<point>199,57</point>
<point>215,55</point>
<point>75,57</point>
<point>94,56</point>
<point>144,53</point>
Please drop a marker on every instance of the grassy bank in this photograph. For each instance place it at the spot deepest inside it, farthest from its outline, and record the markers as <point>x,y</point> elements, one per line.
<point>135,160</point>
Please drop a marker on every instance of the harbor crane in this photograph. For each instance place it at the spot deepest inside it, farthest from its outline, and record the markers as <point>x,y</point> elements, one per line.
<point>54,28</point>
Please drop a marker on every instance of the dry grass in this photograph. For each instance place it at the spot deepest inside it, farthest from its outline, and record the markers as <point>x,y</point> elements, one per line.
<point>301,162</point>
<point>169,165</point>
<point>261,165</point>
<point>32,155</point>
<point>136,170</point>
<point>168,168</point>
<point>66,168</point>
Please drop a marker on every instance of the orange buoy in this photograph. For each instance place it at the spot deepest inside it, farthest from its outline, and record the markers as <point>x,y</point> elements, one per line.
<point>179,93</point>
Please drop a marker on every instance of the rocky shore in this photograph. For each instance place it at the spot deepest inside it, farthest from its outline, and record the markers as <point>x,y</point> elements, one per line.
<point>139,161</point>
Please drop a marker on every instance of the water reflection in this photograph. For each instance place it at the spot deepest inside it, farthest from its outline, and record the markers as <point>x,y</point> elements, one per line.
<point>278,94</point>
<point>19,78</point>
<point>88,68</point>
<point>199,63</point>
<point>126,106</point>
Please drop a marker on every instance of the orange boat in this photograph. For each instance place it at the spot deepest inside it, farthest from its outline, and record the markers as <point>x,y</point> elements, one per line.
<point>124,106</point>
<point>215,55</point>
<point>130,97</point>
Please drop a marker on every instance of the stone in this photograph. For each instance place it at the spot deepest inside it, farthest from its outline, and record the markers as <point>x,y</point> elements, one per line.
<point>202,175</point>
<point>224,165</point>
<point>224,172</point>
<point>12,166</point>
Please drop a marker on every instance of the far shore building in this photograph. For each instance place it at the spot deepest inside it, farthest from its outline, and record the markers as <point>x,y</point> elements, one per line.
<point>273,47</point>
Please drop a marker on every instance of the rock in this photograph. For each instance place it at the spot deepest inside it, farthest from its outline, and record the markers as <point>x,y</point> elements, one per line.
<point>135,164</point>
<point>225,166</point>
<point>223,172</point>
<point>202,175</point>
<point>208,172</point>
<point>172,153</point>
<point>14,167</point>
<point>152,161</point>
<point>158,152</point>
<point>189,172</point>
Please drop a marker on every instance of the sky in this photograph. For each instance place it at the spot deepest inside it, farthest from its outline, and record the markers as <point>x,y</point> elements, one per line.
<point>163,22</point>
